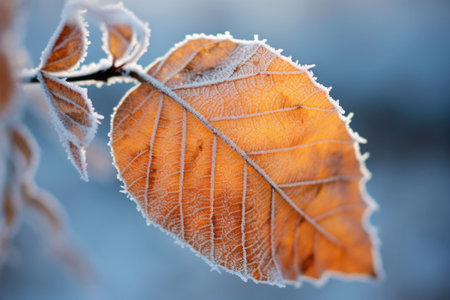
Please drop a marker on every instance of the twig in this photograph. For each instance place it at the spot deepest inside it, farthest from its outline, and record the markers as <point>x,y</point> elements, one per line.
<point>102,75</point>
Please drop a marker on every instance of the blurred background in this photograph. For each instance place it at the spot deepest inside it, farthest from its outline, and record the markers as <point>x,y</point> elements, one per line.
<point>388,62</point>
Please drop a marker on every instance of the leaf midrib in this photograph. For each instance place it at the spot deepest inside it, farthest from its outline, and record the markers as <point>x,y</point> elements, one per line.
<point>145,78</point>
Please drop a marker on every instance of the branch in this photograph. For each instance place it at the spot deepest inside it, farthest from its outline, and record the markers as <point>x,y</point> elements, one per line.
<point>96,75</point>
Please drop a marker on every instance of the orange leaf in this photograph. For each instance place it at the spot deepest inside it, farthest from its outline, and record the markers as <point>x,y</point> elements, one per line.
<point>125,37</point>
<point>119,39</point>
<point>240,154</point>
<point>73,116</point>
<point>68,46</point>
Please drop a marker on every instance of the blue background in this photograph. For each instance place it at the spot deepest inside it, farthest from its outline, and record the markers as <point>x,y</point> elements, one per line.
<point>388,61</point>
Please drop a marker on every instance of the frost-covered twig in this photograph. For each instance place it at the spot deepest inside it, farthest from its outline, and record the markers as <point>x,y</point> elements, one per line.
<point>96,75</point>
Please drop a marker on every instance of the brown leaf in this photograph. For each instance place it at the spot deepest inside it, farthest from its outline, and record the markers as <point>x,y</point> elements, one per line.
<point>25,155</point>
<point>73,116</point>
<point>44,204</point>
<point>6,82</point>
<point>24,159</point>
<point>125,37</point>
<point>10,211</point>
<point>119,39</point>
<point>7,59</point>
<point>9,208</point>
<point>68,47</point>
<point>77,156</point>
<point>23,141</point>
<point>50,215</point>
<point>239,153</point>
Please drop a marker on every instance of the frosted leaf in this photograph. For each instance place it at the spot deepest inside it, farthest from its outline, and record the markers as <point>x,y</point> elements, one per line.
<point>77,155</point>
<point>73,116</point>
<point>125,37</point>
<point>67,47</point>
<point>240,154</point>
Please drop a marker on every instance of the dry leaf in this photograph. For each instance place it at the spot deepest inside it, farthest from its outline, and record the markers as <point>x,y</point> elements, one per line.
<point>6,82</point>
<point>119,39</point>
<point>15,139</point>
<point>67,48</point>
<point>125,37</point>
<point>7,59</point>
<point>72,111</point>
<point>77,156</point>
<point>10,52</point>
<point>73,116</point>
<point>24,143</point>
<point>10,219</point>
<point>240,154</point>
<point>26,156</point>
<point>50,215</point>
<point>45,204</point>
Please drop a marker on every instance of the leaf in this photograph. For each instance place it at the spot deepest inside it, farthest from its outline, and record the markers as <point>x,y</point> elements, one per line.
<point>67,47</point>
<point>6,83</point>
<point>26,147</point>
<point>25,153</point>
<point>24,156</point>
<point>7,58</point>
<point>49,213</point>
<point>119,39</point>
<point>241,155</point>
<point>10,218</point>
<point>125,37</point>
<point>45,204</point>
<point>73,116</point>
